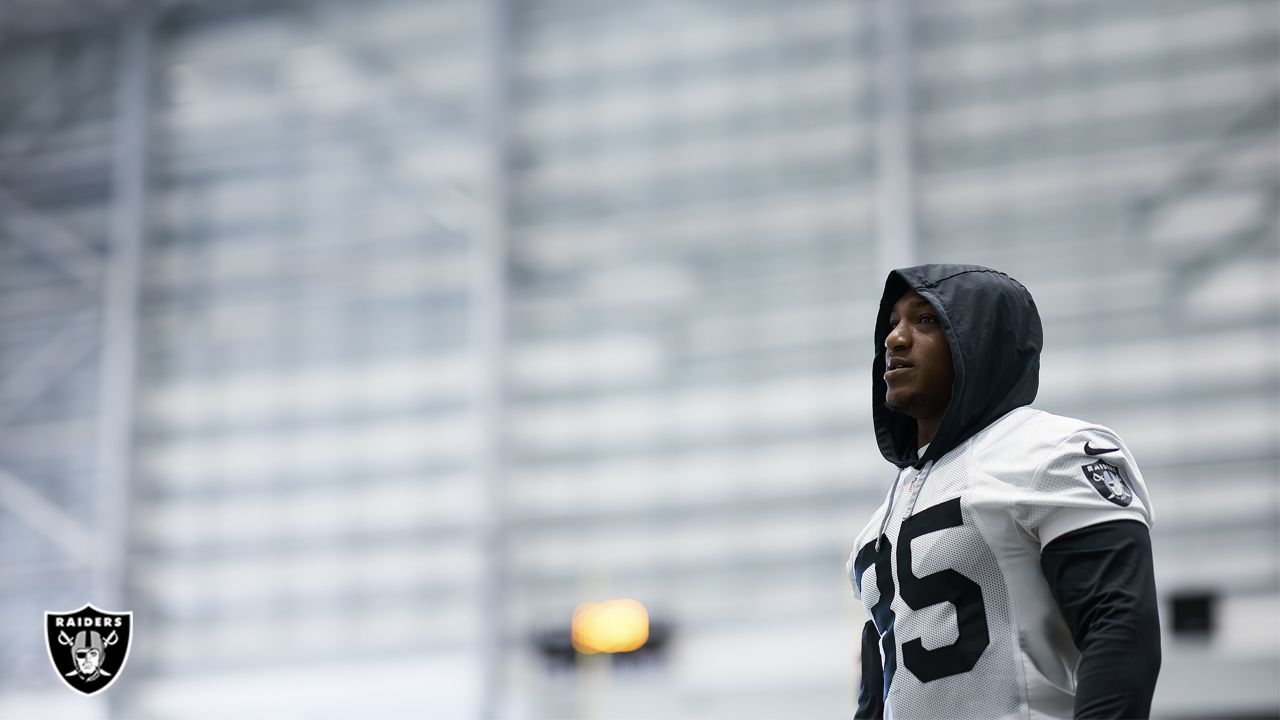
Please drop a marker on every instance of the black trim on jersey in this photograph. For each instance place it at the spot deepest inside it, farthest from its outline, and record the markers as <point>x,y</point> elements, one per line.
<point>871,689</point>
<point>1103,580</point>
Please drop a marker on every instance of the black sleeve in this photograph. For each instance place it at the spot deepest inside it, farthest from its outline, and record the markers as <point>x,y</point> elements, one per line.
<point>871,687</point>
<point>1102,578</point>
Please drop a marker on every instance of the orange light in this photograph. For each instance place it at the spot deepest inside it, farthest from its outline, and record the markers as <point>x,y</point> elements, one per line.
<point>612,626</point>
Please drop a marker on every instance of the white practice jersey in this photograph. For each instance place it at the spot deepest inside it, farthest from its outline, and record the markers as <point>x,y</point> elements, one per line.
<point>968,626</point>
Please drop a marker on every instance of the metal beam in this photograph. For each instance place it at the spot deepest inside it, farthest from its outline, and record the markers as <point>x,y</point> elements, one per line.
<point>403,103</point>
<point>41,19</point>
<point>44,236</point>
<point>1204,167</point>
<point>895,182</point>
<point>49,438</point>
<point>46,518</point>
<point>1195,269</point>
<point>41,369</point>
<point>33,123</point>
<point>490,245</point>
<point>120,299</point>
<point>409,99</point>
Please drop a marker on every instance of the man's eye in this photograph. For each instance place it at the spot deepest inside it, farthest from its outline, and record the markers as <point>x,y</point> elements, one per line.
<point>928,319</point>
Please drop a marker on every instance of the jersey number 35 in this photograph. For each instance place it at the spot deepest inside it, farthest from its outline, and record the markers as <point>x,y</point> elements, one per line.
<point>921,592</point>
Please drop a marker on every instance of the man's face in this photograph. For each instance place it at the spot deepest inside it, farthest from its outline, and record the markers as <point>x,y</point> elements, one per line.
<point>87,660</point>
<point>918,366</point>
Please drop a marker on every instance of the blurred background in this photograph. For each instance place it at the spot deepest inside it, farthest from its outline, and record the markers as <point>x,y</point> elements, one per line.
<point>353,345</point>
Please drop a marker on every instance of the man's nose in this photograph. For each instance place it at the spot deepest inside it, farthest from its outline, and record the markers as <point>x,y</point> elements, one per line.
<point>896,338</point>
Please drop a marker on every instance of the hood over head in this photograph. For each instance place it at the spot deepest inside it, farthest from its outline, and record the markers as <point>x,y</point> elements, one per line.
<point>993,328</point>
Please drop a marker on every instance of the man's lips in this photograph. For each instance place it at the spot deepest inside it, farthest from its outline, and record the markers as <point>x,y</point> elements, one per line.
<point>895,367</point>
<point>897,372</point>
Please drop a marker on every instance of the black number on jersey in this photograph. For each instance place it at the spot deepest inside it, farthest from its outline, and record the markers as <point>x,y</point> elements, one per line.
<point>881,612</point>
<point>922,592</point>
<point>939,587</point>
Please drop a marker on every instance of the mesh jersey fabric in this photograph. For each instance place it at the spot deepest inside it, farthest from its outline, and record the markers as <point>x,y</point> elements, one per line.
<point>970,627</point>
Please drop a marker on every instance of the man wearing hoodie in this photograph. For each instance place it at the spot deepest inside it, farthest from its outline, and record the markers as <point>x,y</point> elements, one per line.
<point>1008,572</point>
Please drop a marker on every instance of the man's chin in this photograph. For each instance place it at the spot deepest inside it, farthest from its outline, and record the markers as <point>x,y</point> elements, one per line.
<point>899,404</point>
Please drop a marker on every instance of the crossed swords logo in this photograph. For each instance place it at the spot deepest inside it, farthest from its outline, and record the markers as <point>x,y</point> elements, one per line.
<point>87,650</point>
<point>88,647</point>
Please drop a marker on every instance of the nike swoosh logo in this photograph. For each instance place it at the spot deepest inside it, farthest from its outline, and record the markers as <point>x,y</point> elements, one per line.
<point>1097,451</point>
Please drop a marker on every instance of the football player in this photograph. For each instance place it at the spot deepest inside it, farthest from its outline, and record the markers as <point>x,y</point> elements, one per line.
<point>1008,572</point>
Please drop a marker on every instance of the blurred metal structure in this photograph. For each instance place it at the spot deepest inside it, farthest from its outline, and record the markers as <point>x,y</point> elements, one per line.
<point>116,385</point>
<point>490,337</point>
<point>52,278</point>
<point>895,171</point>
<point>446,316</point>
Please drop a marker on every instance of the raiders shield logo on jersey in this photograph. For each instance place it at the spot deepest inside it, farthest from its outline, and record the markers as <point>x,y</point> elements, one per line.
<point>1108,481</point>
<point>88,647</point>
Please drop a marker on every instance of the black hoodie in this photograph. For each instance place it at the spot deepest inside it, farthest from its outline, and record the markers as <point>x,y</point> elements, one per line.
<point>1101,576</point>
<point>993,328</point>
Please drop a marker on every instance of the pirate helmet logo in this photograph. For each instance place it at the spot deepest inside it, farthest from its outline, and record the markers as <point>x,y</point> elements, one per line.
<point>1109,482</point>
<point>88,647</point>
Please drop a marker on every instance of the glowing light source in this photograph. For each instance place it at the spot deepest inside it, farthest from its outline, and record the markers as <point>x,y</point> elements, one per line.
<point>612,626</point>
